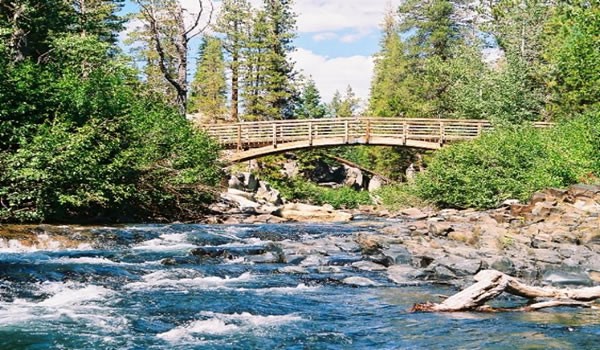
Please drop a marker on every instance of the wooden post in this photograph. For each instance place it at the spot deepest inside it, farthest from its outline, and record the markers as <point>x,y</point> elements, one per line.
<point>442,133</point>
<point>368,131</point>
<point>274,135</point>
<point>404,132</point>
<point>310,133</point>
<point>479,128</point>
<point>239,137</point>
<point>346,132</point>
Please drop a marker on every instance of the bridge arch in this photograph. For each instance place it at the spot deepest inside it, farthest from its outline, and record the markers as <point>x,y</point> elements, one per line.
<point>249,140</point>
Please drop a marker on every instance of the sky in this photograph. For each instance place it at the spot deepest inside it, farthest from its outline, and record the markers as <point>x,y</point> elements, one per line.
<point>336,41</point>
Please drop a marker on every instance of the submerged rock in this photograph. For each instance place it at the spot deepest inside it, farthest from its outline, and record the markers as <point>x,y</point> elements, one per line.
<point>359,281</point>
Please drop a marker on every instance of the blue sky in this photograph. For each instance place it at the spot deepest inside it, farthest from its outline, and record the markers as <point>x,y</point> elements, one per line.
<point>335,43</point>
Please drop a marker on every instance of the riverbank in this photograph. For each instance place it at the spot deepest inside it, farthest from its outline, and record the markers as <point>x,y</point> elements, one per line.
<point>555,239</point>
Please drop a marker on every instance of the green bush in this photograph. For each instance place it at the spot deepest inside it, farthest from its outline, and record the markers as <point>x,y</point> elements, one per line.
<point>512,162</point>
<point>89,145</point>
<point>306,191</point>
<point>399,196</point>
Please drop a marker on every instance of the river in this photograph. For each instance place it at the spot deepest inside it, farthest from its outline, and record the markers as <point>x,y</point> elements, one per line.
<point>139,287</point>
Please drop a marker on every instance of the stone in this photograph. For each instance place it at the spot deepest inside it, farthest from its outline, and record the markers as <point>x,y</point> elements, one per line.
<point>250,182</point>
<point>413,213</point>
<point>582,190</point>
<point>354,178</point>
<point>398,254</point>
<point>459,265</point>
<point>403,274</point>
<point>358,281</point>
<point>245,205</point>
<point>235,182</point>
<point>368,266</point>
<point>309,213</point>
<point>267,194</point>
<point>293,270</point>
<point>375,183</point>
<point>437,229</point>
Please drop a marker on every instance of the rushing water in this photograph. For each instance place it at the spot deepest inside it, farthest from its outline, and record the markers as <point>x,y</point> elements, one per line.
<point>142,289</point>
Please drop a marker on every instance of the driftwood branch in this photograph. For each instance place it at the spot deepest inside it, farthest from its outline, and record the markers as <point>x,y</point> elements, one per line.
<point>491,283</point>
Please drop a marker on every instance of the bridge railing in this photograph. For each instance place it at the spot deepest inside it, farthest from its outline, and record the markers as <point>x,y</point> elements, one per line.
<point>348,130</point>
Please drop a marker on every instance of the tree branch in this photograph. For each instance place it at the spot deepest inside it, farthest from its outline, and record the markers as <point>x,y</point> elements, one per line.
<point>197,21</point>
<point>492,283</point>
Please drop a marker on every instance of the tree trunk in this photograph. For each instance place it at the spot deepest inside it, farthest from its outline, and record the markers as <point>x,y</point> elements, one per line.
<point>492,283</point>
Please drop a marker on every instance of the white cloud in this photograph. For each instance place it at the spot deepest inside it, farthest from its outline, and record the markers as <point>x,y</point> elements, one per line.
<point>335,15</point>
<point>331,74</point>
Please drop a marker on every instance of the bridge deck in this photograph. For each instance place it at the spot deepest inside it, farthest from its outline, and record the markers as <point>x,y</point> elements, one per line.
<point>255,139</point>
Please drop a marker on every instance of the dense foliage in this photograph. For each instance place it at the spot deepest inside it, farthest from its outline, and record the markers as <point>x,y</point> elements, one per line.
<point>80,140</point>
<point>513,162</point>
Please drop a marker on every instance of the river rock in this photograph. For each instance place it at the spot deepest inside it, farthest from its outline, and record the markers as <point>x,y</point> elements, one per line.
<point>359,281</point>
<point>244,204</point>
<point>368,266</point>
<point>266,194</point>
<point>414,213</point>
<point>235,182</point>
<point>354,178</point>
<point>293,270</point>
<point>250,182</point>
<point>375,183</point>
<point>403,274</point>
<point>310,213</point>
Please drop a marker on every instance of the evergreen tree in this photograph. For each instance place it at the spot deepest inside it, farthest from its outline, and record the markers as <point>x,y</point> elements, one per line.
<point>270,92</point>
<point>99,17</point>
<point>390,96</point>
<point>571,48</point>
<point>234,24</point>
<point>346,106</point>
<point>209,86</point>
<point>310,104</point>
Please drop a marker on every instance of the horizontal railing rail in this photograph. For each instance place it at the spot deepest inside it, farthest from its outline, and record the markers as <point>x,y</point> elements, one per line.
<point>247,135</point>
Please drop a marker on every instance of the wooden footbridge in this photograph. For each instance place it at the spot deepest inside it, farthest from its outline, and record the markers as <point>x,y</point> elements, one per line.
<point>249,140</point>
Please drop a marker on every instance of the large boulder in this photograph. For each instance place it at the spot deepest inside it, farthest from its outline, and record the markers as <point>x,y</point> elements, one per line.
<point>310,213</point>
<point>267,194</point>
<point>375,183</point>
<point>244,204</point>
<point>355,178</point>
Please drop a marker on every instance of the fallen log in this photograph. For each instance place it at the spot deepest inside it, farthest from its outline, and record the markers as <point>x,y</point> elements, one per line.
<point>491,283</point>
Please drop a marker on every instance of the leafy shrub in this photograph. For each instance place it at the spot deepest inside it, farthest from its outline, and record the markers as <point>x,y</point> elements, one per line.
<point>399,196</point>
<point>512,162</point>
<point>304,190</point>
<point>92,147</point>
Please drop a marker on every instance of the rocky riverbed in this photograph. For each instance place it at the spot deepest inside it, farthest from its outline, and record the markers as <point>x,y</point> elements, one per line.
<point>553,239</point>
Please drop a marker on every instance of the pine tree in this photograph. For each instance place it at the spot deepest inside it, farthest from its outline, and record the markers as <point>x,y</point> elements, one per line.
<point>234,24</point>
<point>269,89</point>
<point>310,104</point>
<point>390,96</point>
<point>255,106</point>
<point>98,17</point>
<point>346,106</point>
<point>209,86</point>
